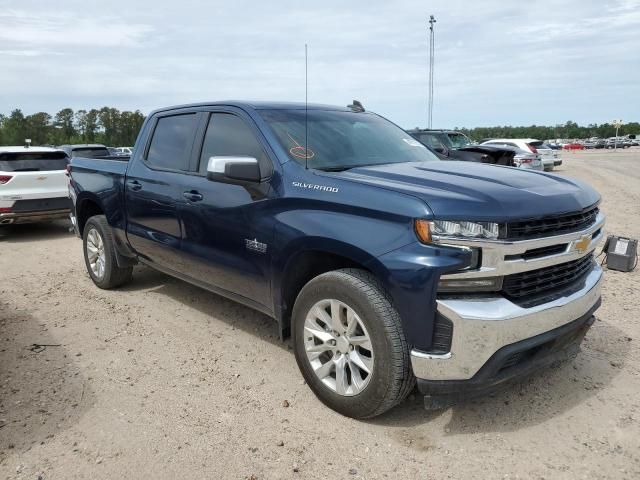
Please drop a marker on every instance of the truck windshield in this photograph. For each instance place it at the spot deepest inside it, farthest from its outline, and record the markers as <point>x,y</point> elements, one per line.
<point>459,140</point>
<point>339,140</point>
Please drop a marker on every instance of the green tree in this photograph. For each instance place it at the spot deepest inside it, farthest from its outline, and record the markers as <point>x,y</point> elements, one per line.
<point>64,123</point>
<point>109,121</point>
<point>39,127</point>
<point>15,128</point>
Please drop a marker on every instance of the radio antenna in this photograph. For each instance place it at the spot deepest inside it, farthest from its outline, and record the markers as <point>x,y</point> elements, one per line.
<point>306,113</point>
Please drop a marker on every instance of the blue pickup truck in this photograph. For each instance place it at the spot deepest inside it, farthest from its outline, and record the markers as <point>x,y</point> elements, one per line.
<point>387,266</point>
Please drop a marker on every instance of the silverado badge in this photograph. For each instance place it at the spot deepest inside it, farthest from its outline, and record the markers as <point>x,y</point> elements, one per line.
<point>255,245</point>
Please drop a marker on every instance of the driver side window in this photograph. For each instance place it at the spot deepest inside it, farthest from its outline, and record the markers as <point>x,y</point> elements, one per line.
<point>229,136</point>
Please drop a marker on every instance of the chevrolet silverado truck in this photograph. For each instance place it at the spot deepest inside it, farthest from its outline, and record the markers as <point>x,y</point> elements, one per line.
<point>385,265</point>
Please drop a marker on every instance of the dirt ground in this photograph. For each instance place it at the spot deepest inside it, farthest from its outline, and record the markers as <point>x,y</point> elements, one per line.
<point>163,380</point>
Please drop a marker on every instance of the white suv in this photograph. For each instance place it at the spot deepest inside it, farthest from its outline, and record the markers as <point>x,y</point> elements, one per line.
<point>548,156</point>
<point>33,184</point>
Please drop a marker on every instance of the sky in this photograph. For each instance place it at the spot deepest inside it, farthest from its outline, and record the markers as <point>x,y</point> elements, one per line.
<point>496,62</point>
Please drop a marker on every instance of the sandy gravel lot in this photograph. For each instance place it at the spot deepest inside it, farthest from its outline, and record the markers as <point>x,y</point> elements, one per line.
<point>163,380</point>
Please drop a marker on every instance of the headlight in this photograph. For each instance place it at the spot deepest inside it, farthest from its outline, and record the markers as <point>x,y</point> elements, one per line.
<point>465,229</point>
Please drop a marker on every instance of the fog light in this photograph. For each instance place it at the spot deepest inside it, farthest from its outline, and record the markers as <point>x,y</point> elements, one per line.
<point>450,285</point>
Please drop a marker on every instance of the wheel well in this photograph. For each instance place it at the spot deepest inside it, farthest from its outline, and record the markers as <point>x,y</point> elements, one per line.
<point>300,270</point>
<point>87,209</point>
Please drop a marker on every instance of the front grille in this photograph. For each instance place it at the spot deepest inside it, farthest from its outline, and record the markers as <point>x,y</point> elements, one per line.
<point>544,281</point>
<point>539,252</point>
<point>41,204</point>
<point>548,226</point>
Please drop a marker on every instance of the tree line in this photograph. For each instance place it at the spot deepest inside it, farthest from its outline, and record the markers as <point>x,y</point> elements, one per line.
<point>570,130</point>
<point>112,127</point>
<point>107,125</point>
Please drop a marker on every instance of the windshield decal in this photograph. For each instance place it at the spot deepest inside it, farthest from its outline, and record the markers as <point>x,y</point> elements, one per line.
<point>298,150</point>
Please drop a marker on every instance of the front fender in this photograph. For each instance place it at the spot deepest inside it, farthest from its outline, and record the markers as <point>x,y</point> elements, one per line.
<point>410,275</point>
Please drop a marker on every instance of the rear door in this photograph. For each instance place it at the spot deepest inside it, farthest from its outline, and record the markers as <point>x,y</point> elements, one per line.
<point>156,179</point>
<point>33,181</point>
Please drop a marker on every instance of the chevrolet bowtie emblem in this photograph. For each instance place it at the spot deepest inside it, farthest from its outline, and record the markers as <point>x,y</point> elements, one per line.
<point>582,244</point>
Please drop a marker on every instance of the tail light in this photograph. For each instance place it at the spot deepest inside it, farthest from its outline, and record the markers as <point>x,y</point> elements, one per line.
<point>532,148</point>
<point>526,160</point>
<point>5,178</point>
<point>68,174</point>
<point>5,209</point>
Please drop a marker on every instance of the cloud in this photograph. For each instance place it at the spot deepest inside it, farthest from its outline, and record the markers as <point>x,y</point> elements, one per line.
<point>28,53</point>
<point>69,29</point>
<point>496,62</point>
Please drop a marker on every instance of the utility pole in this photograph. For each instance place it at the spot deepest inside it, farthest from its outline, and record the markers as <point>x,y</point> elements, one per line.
<point>432,20</point>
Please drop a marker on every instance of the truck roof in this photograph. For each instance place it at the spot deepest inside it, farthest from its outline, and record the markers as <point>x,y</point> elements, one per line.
<point>258,105</point>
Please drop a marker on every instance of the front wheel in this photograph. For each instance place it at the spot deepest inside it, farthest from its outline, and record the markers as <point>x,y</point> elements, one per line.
<point>100,254</point>
<point>349,344</point>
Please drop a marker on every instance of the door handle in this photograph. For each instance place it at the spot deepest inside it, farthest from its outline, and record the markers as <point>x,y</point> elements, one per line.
<point>193,196</point>
<point>134,185</point>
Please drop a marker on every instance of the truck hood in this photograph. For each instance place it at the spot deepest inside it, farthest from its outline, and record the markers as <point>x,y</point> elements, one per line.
<point>475,191</point>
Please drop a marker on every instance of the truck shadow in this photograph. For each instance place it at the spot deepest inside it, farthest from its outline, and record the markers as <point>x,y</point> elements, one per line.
<point>529,402</point>
<point>34,232</point>
<point>42,390</point>
<point>208,303</point>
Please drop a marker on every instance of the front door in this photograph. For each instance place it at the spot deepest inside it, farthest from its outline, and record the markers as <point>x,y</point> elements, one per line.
<point>227,231</point>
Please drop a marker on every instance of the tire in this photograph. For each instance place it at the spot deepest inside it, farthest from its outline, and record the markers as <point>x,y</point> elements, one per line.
<point>96,233</point>
<point>390,379</point>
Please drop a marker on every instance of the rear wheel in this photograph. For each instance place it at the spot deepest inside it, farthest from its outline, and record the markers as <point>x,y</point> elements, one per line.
<point>100,254</point>
<point>349,344</point>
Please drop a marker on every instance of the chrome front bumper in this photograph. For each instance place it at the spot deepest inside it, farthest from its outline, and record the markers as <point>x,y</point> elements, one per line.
<point>481,327</point>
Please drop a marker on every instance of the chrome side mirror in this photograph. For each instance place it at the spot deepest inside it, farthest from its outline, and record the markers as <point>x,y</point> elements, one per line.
<point>233,169</point>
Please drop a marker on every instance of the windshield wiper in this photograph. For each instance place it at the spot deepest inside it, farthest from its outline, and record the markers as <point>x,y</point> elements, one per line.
<point>342,168</point>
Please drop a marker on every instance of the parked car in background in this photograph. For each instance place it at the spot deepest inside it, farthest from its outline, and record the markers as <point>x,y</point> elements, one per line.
<point>33,185</point>
<point>600,143</point>
<point>527,159</point>
<point>88,150</point>
<point>452,145</point>
<point>573,146</point>
<point>614,142</point>
<point>125,150</point>
<point>546,149</point>
<point>547,155</point>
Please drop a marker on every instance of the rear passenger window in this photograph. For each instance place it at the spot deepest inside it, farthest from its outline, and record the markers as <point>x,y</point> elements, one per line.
<point>229,136</point>
<point>171,142</point>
